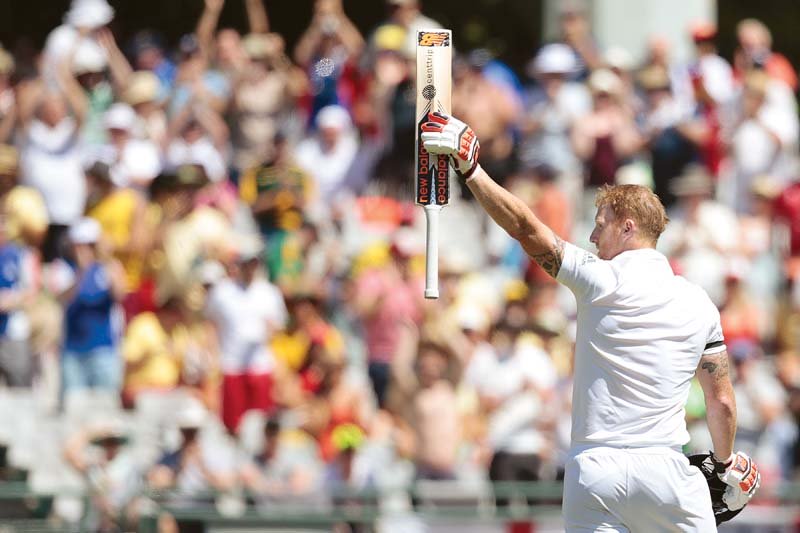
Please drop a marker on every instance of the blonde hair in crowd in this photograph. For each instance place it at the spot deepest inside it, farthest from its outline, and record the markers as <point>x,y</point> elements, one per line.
<point>637,203</point>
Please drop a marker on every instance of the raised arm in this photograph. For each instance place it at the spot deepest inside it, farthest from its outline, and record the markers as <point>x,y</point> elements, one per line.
<point>712,373</point>
<point>257,16</point>
<point>447,135</point>
<point>207,25</point>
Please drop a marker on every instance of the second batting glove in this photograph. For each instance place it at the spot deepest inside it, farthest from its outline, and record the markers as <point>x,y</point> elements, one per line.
<point>741,475</point>
<point>447,135</point>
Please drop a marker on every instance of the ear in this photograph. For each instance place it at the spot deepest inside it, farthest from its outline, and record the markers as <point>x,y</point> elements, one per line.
<point>628,227</point>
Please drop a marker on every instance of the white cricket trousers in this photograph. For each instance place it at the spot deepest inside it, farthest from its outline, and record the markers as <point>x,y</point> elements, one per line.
<point>635,490</point>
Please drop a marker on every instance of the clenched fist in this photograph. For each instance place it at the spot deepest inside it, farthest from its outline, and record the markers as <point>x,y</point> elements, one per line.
<point>447,135</point>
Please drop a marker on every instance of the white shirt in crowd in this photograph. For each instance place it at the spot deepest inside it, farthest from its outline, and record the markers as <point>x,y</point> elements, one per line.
<point>137,164</point>
<point>518,379</point>
<point>641,332</point>
<point>201,152</point>
<point>51,163</point>
<point>245,318</point>
<point>328,168</point>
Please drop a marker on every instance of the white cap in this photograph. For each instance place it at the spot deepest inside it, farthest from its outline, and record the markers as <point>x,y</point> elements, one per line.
<point>603,80</point>
<point>89,57</point>
<point>248,247</point>
<point>619,58</point>
<point>210,272</point>
<point>89,14</point>
<point>472,317</point>
<point>85,231</point>
<point>120,117</point>
<point>333,116</point>
<point>554,58</point>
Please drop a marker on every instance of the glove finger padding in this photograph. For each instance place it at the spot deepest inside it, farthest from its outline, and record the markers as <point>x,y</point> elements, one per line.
<point>443,134</point>
<point>743,480</point>
<point>716,487</point>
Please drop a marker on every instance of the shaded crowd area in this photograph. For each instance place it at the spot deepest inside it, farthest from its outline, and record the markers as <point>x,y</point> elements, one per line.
<point>212,269</point>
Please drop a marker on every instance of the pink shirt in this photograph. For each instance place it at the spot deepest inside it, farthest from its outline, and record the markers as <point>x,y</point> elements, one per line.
<point>398,306</point>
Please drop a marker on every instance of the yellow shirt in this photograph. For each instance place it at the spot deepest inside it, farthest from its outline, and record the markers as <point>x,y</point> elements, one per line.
<point>116,213</point>
<point>154,356</point>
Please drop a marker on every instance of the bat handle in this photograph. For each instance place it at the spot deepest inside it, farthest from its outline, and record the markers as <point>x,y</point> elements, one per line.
<point>432,251</point>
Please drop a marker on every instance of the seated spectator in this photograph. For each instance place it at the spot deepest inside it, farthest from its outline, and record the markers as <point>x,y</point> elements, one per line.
<point>247,311</point>
<point>328,154</point>
<point>286,468</point>
<point>755,50</point>
<point>194,472</point>
<point>114,477</point>
<point>90,358</point>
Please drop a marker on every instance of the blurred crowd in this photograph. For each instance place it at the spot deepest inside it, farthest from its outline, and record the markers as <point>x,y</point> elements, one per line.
<point>229,218</point>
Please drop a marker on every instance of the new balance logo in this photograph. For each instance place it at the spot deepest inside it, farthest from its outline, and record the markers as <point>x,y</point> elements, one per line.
<point>434,38</point>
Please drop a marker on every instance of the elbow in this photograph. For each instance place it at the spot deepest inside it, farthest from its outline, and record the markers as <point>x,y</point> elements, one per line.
<point>723,403</point>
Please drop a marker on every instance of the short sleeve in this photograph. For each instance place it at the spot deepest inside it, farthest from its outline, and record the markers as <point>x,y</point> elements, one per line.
<point>585,274</point>
<point>716,341</point>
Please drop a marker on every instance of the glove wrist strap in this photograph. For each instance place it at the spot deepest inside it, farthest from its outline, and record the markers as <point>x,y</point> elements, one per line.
<point>466,176</point>
<point>721,466</point>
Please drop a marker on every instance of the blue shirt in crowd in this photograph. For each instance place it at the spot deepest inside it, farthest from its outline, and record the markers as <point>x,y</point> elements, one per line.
<point>10,275</point>
<point>89,316</point>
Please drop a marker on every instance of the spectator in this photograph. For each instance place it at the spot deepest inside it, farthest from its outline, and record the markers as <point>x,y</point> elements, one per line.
<point>50,121</point>
<point>328,51</point>
<point>328,155</point>
<point>25,212</point>
<point>762,141</point>
<point>147,51</point>
<point>387,300</point>
<point>554,107</point>
<point>261,95</point>
<point>194,471</point>
<point>142,94</point>
<point>8,104</point>
<point>114,477</point>
<point>607,137</point>
<point>193,80</point>
<point>715,71</point>
<point>134,162</point>
<point>198,136</point>
<point>701,233</point>
<point>18,286</point>
<point>576,32</point>
<point>246,310</point>
<point>514,380</point>
<point>755,51</point>
<point>282,470</point>
<point>91,328</point>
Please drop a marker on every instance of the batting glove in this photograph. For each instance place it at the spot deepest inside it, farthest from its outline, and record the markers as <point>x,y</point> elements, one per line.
<point>446,135</point>
<point>741,475</point>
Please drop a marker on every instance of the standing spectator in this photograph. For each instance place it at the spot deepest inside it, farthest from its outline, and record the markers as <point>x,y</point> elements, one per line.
<point>142,94</point>
<point>406,14</point>
<point>755,51</point>
<point>198,136</point>
<point>715,71</point>
<point>514,380</point>
<point>134,162</point>
<point>261,95</point>
<point>246,310</point>
<point>494,111</point>
<point>554,108</point>
<point>277,191</point>
<point>607,137</point>
<point>50,162</point>
<point>147,51</point>
<point>576,32</point>
<point>328,155</point>
<point>194,81</point>
<point>8,104</point>
<point>89,65</point>
<point>25,212</point>
<point>328,50</point>
<point>90,358</point>
<point>387,300</point>
<point>762,142</point>
<point>18,286</point>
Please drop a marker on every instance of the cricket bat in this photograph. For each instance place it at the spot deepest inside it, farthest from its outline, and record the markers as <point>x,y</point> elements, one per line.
<point>432,186</point>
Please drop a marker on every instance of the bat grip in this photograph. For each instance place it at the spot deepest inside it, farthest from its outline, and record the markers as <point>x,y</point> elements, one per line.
<point>432,251</point>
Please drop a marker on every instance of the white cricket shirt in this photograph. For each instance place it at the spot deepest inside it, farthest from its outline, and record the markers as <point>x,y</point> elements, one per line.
<point>641,332</point>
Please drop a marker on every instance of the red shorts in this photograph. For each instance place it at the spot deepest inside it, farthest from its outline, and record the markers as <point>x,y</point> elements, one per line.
<point>243,392</point>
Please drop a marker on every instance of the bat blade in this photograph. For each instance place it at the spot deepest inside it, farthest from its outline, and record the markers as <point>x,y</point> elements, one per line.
<point>434,83</point>
<point>432,184</point>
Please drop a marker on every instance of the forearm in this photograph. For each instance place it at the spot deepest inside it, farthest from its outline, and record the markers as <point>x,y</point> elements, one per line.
<point>721,419</point>
<point>511,214</point>
<point>257,16</point>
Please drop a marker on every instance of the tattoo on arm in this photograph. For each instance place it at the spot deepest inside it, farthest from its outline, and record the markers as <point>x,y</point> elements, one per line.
<point>716,366</point>
<point>550,260</point>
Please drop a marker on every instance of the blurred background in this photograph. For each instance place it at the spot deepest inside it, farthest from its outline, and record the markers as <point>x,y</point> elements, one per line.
<point>211,268</point>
